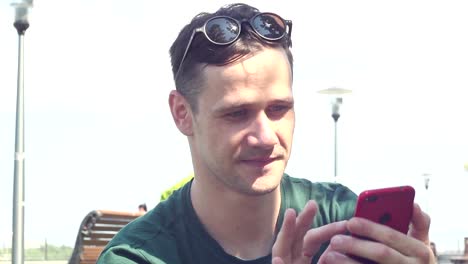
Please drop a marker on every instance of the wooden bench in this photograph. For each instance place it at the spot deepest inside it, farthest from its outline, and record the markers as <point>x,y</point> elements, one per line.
<point>96,230</point>
<point>459,259</point>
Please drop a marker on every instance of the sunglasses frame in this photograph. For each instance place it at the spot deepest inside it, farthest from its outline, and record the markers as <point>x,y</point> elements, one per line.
<point>287,31</point>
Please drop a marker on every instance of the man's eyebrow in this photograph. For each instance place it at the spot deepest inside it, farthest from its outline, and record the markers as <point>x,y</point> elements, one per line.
<point>236,105</point>
<point>284,101</point>
<point>229,106</point>
<point>288,100</point>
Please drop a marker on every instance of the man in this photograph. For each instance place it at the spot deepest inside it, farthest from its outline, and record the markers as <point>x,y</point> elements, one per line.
<point>234,102</point>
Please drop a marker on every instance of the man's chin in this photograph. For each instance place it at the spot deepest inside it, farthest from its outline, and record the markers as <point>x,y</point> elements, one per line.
<point>262,191</point>
<point>265,184</point>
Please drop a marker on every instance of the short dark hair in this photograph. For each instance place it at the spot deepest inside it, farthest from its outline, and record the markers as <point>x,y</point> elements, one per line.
<point>143,206</point>
<point>202,52</point>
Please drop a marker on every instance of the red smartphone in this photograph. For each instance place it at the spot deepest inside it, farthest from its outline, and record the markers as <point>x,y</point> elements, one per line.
<point>389,206</point>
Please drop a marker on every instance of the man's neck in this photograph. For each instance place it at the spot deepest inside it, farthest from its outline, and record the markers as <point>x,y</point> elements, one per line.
<point>244,225</point>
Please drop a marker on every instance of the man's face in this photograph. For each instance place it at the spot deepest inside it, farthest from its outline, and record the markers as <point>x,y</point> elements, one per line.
<point>243,129</point>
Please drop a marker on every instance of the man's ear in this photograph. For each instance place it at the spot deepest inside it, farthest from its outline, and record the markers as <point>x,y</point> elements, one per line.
<point>181,112</point>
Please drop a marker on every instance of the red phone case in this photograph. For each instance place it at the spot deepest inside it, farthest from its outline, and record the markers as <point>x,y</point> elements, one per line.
<point>389,206</point>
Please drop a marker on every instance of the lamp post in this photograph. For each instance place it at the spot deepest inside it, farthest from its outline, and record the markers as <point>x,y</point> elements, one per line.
<point>336,101</point>
<point>427,178</point>
<point>21,24</point>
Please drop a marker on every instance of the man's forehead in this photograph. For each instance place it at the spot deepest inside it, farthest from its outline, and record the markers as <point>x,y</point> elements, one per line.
<point>258,67</point>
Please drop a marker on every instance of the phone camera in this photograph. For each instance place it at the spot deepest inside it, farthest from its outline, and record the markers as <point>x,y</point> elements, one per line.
<point>372,198</point>
<point>385,218</point>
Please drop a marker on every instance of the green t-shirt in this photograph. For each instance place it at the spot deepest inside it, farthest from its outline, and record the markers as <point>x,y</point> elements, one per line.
<point>171,233</point>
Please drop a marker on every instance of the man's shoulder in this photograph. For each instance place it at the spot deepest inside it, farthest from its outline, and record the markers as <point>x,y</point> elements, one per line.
<point>335,200</point>
<point>313,189</point>
<point>142,241</point>
<point>153,235</point>
<point>154,224</point>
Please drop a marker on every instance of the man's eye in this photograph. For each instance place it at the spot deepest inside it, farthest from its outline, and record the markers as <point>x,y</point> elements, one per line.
<point>237,113</point>
<point>278,109</point>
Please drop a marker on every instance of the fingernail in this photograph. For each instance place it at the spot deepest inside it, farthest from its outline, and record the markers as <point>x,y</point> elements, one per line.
<point>330,257</point>
<point>343,223</point>
<point>337,240</point>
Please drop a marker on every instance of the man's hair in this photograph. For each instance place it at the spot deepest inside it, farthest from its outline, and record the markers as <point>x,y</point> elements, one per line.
<point>143,206</point>
<point>202,52</point>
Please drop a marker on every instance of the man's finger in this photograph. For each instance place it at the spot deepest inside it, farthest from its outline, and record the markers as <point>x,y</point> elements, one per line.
<point>317,236</point>
<point>305,219</point>
<point>420,224</point>
<point>277,260</point>
<point>286,235</point>
<point>362,249</point>
<point>395,240</point>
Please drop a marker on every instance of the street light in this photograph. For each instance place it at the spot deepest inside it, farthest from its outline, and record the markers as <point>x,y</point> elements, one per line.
<point>21,24</point>
<point>427,178</point>
<point>336,101</point>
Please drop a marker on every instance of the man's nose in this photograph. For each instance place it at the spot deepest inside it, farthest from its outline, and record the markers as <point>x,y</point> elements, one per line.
<point>263,132</point>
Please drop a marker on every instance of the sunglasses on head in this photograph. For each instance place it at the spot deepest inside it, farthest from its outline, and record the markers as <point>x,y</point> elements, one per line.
<point>224,30</point>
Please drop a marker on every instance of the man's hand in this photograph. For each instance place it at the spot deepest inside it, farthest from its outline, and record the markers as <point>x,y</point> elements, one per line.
<point>389,246</point>
<point>296,242</point>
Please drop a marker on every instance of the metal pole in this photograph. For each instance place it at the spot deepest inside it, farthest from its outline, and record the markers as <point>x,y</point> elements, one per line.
<point>427,177</point>
<point>335,118</point>
<point>21,24</point>
<point>18,185</point>
<point>336,151</point>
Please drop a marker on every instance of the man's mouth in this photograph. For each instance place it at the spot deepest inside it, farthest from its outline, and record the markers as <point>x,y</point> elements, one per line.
<point>260,162</point>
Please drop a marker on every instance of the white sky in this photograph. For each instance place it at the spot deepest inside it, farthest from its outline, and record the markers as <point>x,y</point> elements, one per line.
<point>99,133</point>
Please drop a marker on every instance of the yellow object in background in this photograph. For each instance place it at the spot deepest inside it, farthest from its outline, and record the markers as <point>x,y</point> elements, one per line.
<point>181,183</point>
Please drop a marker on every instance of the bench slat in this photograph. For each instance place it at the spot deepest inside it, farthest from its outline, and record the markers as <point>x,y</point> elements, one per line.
<point>97,235</point>
<point>91,252</point>
<point>95,242</point>
<point>114,229</point>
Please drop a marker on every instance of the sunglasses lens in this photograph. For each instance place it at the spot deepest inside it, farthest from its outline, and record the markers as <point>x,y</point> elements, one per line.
<point>270,26</point>
<point>222,30</point>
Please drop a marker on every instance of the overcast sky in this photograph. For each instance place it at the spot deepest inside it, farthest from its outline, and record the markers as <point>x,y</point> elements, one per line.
<point>99,133</point>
